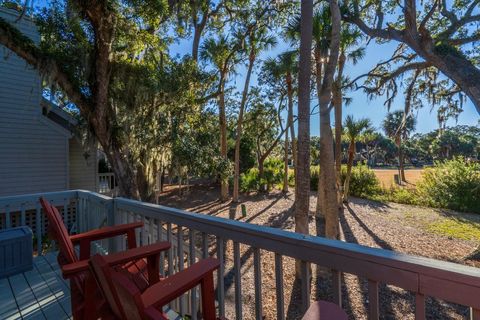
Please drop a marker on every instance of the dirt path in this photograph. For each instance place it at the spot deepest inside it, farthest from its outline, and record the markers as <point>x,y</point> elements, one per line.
<point>388,226</point>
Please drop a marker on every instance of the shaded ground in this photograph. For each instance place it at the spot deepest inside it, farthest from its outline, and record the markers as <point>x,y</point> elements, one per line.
<point>385,176</point>
<point>396,227</point>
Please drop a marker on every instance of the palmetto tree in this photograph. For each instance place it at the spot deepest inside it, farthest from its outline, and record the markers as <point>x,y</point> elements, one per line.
<point>221,53</point>
<point>282,70</point>
<point>398,126</point>
<point>256,41</point>
<point>353,130</point>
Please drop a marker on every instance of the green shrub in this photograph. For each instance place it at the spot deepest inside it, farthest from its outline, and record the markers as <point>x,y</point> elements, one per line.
<point>363,182</point>
<point>398,195</point>
<point>452,184</point>
<point>314,176</point>
<point>249,180</point>
<point>273,173</point>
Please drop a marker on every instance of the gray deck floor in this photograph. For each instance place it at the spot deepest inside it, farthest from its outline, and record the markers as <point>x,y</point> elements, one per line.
<point>40,293</point>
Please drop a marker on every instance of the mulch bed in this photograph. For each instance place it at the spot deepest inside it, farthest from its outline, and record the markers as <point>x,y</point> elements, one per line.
<point>364,222</point>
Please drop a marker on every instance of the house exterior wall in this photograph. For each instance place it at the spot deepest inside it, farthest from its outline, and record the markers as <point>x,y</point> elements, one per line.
<point>83,171</point>
<point>33,149</point>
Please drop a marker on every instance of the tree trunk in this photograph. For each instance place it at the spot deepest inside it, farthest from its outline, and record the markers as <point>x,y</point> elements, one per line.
<point>320,210</point>
<point>302,172</point>
<point>351,154</point>
<point>337,99</point>
<point>236,176</point>
<point>223,138</point>
<point>327,158</point>
<point>285,175</point>
<point>401,169</point>
<point>123,171</point>
<point>290,123</point>
<point>196,41</point>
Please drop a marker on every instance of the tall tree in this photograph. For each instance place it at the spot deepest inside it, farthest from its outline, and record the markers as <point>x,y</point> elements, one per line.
<point>256,41</point>
<point>398,126</point>
<point>353,130</point>
<point>302,187</point>
<point>280,75</point>
<point>435,38</point>
<point>327,159</point>
<point>80,53</point>
<point>222,54</point>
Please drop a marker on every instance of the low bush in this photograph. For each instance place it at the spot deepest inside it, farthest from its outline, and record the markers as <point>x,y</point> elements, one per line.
<point>452,184</point>
<point>273,173</point>
<point>363,182</point>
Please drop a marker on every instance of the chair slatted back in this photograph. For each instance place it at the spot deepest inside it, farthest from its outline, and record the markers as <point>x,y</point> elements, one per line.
<point>58,232</point>
<point>102,272</point>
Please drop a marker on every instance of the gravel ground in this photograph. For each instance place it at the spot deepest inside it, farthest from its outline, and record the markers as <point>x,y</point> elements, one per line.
<point>388,226</point>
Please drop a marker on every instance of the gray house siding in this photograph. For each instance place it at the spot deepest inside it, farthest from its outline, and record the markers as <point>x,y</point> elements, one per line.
<point>83,172</point>
<point>33,150</point>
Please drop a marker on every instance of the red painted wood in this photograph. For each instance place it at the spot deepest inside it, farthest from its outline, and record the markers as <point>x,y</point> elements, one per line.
<point>87,301</point>
<point>323,310</point>
<point>132,303</point>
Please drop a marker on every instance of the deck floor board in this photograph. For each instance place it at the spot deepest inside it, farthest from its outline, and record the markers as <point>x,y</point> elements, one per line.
<point>40,293</point>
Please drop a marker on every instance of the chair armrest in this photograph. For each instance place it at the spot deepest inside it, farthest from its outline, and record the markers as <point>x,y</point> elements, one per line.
<point>117,258</point>
<point>105,232</point>
<point>150,252</point>
<point>72,269</point>
<point>174,286</point>
<point>84,239</point>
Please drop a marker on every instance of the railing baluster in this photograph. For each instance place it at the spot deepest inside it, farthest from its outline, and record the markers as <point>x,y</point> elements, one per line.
<point>204,245</point>
<point>23,215</point>
<point>305,285</point>
<point>193,292</point>
<point>337,287</point>
<point>38,228</point>
<point>373,310</point>
<point>171,269</point>
<point>474,314</point>
<point>279,286</point>
<point>419,306</point>
<point>144,231</point>
<point>7,216</point>
<point>159,239</point>
<point>150,231</point>
<point>180,264</point>
<point>65,213</point>
<point>170,251</point>
<point>257,270</point>
<point>220,276</point>
<point>238,281</point>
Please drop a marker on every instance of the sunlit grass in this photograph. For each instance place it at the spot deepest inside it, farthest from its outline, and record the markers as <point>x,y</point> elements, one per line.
<point>459,228</point>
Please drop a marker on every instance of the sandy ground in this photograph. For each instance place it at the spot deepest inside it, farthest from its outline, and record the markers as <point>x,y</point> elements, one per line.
<point>388,226</point>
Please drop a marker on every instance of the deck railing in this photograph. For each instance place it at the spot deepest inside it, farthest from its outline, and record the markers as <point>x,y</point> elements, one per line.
<point>193,236</point>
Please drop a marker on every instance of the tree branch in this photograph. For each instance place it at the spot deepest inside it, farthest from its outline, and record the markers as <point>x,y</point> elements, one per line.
<point>24,47</point>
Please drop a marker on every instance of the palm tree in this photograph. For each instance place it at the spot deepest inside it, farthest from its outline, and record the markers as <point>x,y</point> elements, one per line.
<point>221,54</point>
<point>348,51</point>
<point>256,42</point>
<point>398,126</point>
<point>353,130</point>
<point>283,69</point>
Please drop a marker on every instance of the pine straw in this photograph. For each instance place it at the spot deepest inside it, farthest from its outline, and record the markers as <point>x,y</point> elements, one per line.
<point>389,226</point>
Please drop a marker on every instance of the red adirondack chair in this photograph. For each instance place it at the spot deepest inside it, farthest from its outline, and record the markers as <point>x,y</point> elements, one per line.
<point>130,303</point>
<point>86,298</point>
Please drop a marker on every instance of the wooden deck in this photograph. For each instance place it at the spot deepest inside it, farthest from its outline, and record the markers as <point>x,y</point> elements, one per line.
<point>40,293</point>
